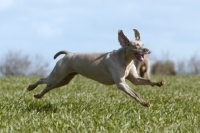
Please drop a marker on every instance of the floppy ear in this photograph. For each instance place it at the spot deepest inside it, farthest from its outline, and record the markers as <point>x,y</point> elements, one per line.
<point>137,35</point>
<point>123,40</point>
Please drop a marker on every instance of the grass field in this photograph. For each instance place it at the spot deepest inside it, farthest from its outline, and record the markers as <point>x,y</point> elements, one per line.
<point>87,106</point>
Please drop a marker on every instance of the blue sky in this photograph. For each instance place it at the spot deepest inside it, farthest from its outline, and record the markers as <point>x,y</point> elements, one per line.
<point>170,29</point>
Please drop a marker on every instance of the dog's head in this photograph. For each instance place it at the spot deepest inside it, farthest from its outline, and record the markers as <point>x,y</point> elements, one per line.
<point>134,49</point>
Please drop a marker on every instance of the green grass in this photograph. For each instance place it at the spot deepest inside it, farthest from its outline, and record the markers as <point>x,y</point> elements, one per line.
<point>87,106</point>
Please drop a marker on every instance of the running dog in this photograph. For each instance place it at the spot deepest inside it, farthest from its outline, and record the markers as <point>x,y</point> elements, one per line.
<point>106,68</point>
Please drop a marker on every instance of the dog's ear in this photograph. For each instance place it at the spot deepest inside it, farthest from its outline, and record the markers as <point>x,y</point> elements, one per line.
<point>137,35</point>
<point>123,40</point>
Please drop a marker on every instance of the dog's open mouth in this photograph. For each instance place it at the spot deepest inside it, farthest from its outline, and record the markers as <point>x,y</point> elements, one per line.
<point>139,57</point>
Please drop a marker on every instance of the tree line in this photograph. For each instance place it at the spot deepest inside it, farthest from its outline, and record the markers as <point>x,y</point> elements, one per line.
<point>189,66</point>
<point>17,63</point>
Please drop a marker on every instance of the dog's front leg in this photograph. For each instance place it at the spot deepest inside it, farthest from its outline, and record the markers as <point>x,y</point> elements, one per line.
<point>143,81</point>
<point>124,87</point>
<point>136,80</point>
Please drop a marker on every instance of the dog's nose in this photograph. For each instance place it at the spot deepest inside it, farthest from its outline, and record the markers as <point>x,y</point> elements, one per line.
<point>145,50</point>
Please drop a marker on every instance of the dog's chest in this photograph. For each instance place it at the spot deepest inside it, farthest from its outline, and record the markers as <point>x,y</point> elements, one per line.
<point>128,67</point>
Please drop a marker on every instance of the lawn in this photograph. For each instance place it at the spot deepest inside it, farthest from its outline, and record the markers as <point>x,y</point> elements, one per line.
<point>87,106</point>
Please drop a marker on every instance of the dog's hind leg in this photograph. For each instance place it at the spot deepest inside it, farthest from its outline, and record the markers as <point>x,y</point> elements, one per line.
<point>66,80</point>
<point>33,86</point>
<point>47,89</point>
<point>63,82</point>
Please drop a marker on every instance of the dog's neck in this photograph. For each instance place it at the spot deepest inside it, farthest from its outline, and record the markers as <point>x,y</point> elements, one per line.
<point>123,53</point>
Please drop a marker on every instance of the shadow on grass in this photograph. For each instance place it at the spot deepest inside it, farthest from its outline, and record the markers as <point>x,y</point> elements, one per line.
<point>41,107</point>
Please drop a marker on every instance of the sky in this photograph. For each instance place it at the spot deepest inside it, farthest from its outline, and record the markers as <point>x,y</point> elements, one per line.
<point>170,29</point>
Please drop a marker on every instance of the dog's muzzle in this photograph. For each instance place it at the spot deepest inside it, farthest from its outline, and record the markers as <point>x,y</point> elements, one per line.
<point>140,56</point>
<point>146,51</point>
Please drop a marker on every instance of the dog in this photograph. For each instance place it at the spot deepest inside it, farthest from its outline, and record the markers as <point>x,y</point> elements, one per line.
<point>106,68</point>
<point>143,67</point>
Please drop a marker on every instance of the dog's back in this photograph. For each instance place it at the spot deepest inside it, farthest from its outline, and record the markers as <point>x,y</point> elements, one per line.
<point>95,66</point>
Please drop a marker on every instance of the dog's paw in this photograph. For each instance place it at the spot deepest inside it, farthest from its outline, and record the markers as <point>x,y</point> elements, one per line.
<point>30,87</point>
<point>161,83</point>
<point>37,96</point>
<point>146,104</point>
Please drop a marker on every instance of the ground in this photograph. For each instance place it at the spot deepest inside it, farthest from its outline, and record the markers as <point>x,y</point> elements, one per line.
<point>87,106</point>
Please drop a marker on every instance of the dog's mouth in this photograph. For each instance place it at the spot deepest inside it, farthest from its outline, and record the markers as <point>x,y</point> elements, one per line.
<point>139,57</point>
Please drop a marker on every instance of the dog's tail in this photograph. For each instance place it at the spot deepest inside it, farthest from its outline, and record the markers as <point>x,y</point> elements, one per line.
<point>60,52</point>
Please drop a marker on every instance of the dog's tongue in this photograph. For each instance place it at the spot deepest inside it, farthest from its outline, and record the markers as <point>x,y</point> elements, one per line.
<point>139,57</point>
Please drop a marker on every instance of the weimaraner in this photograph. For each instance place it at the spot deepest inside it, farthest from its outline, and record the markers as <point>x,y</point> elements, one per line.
<point>107,68</point>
